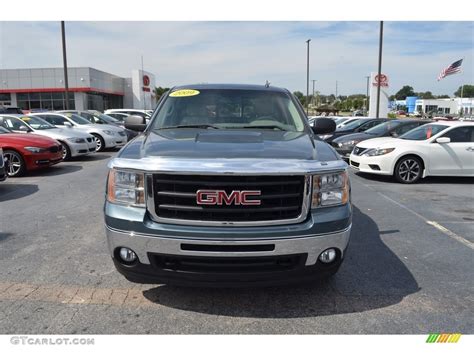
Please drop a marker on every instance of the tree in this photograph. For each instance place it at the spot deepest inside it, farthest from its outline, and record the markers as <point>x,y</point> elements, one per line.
<point>404,92</point>
<point>468,91</point>
<point>158,91</point>
<point>299,95</point>
<point>425,95</point>
<point>442,96</point>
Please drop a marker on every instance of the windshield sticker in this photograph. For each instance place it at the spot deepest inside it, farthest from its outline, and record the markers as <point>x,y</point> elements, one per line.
<point>184,93</point>
<point>25,118</point>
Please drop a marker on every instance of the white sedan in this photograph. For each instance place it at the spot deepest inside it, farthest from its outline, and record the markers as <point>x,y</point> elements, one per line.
<point>435,149</point>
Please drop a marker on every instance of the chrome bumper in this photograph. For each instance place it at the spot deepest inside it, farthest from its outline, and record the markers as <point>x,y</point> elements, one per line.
<point>142,244</point>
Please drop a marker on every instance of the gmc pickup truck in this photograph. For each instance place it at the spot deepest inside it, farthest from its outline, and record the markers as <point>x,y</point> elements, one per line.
<point>228,185</point>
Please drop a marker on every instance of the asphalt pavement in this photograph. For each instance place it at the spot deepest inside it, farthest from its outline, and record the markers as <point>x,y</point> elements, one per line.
<point>408,269</point>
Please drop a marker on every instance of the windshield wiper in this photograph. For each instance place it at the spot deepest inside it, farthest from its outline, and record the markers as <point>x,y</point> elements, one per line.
<point>191,126</point>
<point>265,127</point>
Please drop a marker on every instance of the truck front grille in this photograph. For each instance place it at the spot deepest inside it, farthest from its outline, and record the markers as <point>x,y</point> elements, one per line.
<point>175,197</point>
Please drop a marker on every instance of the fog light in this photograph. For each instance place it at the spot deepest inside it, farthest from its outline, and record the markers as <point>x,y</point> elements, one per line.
<point>127,255</point>
<point>328,256</point>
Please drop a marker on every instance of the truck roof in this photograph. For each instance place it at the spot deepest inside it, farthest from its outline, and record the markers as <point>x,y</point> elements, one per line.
<point>229,87</point>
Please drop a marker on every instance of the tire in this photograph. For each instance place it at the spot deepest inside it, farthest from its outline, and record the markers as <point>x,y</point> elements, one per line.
<point>99,142</point>
<point>66,151</point>
<point>408,170</point>
<point>16,164</point>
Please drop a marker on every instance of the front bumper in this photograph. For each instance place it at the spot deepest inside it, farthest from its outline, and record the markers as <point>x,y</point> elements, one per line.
<point>132,228</point>
<point>42,160</point>
<point>381,165</point>
<point>114,141</point>
<point>78,149</point>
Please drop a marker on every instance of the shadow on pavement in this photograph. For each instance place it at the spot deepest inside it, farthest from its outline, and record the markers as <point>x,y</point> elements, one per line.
<point>59,169</point>
<point>14,191</point>
<point>92,157</point>
<point>428,180</point>
<point>371,277</point>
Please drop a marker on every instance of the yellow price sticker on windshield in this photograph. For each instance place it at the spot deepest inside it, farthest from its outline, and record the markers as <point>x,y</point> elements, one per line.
<point>25,118</point>
<point>184,93</point>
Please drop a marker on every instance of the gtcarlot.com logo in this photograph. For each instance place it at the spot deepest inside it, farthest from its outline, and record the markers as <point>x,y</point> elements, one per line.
<point>443,338</point>
<point>31,340</point>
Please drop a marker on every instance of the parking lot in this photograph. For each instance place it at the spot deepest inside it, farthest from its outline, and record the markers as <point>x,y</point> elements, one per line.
<point>408,267</point>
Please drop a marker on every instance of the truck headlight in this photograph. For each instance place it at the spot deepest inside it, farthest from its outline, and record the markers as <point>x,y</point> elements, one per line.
<point>377,152</point>
<point>126,187</point>
<point>36,149</point>
<point>330,189</point>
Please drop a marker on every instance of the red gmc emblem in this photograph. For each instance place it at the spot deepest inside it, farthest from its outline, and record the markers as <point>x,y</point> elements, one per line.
<point>220,197</point>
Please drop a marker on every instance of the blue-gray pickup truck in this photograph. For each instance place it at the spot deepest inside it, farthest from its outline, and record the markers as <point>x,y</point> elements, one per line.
<point>228,185</point>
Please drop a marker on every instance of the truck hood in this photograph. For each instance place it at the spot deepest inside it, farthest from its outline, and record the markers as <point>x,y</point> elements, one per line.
<point>226,144</point>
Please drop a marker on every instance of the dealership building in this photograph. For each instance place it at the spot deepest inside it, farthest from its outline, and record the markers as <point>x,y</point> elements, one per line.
<point>89,89</point>
<point>440,106</point>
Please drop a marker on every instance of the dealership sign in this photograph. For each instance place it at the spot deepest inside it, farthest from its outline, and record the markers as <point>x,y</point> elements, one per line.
<point>146,83</point>
<point>382,81</point>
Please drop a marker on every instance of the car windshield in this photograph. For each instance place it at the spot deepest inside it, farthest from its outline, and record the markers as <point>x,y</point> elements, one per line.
<point>36,122</point>
<point>340,120</point>
<point>3,130</point>
<point>354,124</point>
<point>77,119</point>
<point>106,118</point>
<point>383,128</point>
<point>229,109</point>
<point>423,132</point>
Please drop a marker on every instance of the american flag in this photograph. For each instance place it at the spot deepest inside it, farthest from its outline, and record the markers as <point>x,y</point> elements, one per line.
<point>452,69</point>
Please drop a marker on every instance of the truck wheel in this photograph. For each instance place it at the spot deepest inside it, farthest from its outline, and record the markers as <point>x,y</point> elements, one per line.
<point>99,142</point>
<point>408,170</point>
<point>16,164</point>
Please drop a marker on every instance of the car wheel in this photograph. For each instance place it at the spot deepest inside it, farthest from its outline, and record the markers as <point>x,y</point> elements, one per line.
<point>99,143</point>
<point>408,170</point>
<point>16,164</point>
<point>66,151</point>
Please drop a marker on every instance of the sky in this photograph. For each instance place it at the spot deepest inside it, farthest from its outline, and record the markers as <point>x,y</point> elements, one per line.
<point>180,53</point>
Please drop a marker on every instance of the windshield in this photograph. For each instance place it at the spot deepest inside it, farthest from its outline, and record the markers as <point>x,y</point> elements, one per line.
<point>383,128</point>
<point>423,132</point>
<point>354,124</point>
<point>36,122</point>
<point>77,119</point>
<point>229,109</point>
<point>4,130</point>
<point>340,120</point>
<point>106,118</point>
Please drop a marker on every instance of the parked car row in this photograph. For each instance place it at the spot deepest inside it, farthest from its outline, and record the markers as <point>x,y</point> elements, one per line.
<point>408,149</point>
<point>42,139</point>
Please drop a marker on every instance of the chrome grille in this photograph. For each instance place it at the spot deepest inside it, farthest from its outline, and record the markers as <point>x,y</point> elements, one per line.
<point>283,198</point>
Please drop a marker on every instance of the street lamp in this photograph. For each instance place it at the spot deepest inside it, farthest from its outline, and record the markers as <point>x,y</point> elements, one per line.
<point>380,69</point>
<point>307,77</point>
<point>367,96</point>
<point>66,84</point>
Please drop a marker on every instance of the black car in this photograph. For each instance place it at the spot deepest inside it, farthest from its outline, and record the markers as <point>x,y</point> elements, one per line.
<point>359,125</point>
<point>394,128</point>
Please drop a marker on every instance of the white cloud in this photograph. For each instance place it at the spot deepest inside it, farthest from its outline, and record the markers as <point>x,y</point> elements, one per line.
<point>250,52</point>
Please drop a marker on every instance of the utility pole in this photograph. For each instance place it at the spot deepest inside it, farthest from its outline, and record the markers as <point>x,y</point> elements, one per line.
<point>380,69</point>
<point>312,98</point>
<point>143,90</point>
<point>336,90</point>
<point>367,96</point>
<point>66,83</point>
<point>307,77</point>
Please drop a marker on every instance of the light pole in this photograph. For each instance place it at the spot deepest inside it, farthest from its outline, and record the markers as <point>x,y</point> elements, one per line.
<point>307,77</point>
<point>367,96</point>
<point>312,98</point>
<point>380,69</point>
<point>336,90</point>
<point>66,83</point>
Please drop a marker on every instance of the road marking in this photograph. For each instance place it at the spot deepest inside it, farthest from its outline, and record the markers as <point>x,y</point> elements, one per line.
<point>451,234</point>
<point>435,224</point>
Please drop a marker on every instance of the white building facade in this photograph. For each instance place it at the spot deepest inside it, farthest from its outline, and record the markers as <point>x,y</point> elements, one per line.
<point>89,89</point>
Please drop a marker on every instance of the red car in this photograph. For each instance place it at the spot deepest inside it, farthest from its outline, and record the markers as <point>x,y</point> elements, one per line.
<point>26,152</point>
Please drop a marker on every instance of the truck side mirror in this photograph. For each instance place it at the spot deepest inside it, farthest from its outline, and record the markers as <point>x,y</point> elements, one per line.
<point>323,126</point>
<point>135,123</point>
